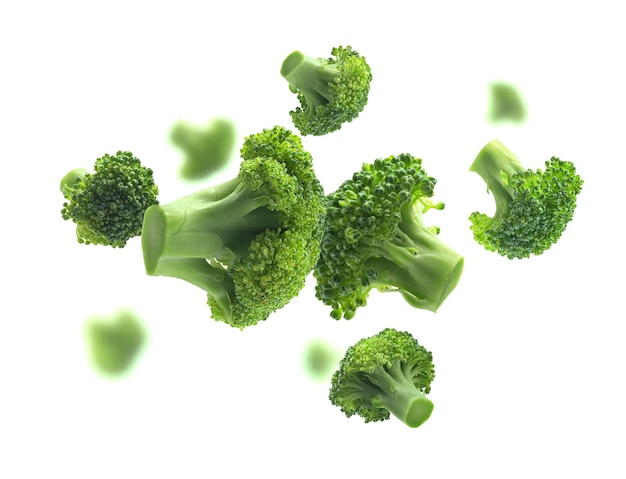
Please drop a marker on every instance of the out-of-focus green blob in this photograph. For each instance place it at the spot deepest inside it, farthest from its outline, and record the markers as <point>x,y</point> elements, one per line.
<point>320,359</point>
<point>206,149</point>
<point>507,104</point>
<point>115,341</point>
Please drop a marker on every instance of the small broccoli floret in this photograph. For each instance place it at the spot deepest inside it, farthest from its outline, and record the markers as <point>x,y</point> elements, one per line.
<point>108,205</point>
<point>319,359</point>
<point>249,242</point>
<point>389,372</point>
<point>115,341</point>
<point>533,208</point>
<point>375,237</point>
<point>331,91</point>
<point>206,150</point>
<point>506,104</point>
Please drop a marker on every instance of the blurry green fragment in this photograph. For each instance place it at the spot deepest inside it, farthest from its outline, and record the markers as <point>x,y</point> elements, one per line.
<point>114,342</point>
<point>507,104</point>
<point>320,359</point>
<point>206,149</point>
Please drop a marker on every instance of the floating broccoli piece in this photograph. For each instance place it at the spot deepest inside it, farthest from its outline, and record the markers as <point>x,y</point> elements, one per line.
<point>533,208</point>
<point>108,206</point>
<point>249,242</point>
<point>320,359</point>
<point>506,104</point>
<point>375,237</point>
<point>389,372</point>
<point>115,341</point>
<point>206,150</point>
<point>331,91</point>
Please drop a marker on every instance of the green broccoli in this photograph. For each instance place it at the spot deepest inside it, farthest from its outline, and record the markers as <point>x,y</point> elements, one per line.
<point>250,242</point>
<point>108,206</point>
<point>115,341</point>
<point>319,359</point>
<point>331,91</point>
<point>207,150</point>
<point>375,237</point>
<point>533,208</point>
<point>389,372</point>
<point>506,103</point>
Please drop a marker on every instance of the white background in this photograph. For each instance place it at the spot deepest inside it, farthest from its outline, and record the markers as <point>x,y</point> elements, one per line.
<point>529,354</point>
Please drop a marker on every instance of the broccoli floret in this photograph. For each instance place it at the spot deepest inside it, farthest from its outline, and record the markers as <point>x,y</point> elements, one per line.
<point>506,104</point>
<point>375,237</point>
<point>115,341</point>
<point>319,359</point>
<point>206,150</point>
<point>249,242</point>
<point>389,372</point>
<point>533,208</point>
<point>108,205</point>
<point>331,91</point>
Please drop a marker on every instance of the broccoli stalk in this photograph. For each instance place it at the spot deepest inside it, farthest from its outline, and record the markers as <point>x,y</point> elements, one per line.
<point>250,242</point>
<point>532,207</point>
<point>388,373</point>
<point>331,91</point>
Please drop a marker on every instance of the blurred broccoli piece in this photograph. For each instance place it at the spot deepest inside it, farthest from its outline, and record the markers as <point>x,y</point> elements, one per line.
<point>206,149</point>
<point>320,359</point>
<point>506,104</point>
<point>115,341</point>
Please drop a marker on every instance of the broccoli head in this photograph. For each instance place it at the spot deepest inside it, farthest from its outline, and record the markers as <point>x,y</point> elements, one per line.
<point>375,237</point>
<point>533,207</point>
<point>331,91</point>
<point>108,205</point>
<point>388,373</point>
<point>207,150</point>
<point>250,242</point>
<point>506,104</point>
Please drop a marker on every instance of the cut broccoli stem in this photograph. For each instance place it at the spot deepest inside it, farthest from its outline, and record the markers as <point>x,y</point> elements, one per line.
<point>417,264</point>
<point>69,180</point>
<point>400,396</point>
<point>309,77</point>
<point>496,165</point>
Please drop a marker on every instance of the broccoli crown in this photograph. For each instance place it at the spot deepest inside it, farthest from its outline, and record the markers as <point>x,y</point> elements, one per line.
<point>506,103</point>
<point>533,207</point>
<point>206,150</point>
<point>250,242</point>
<point>389,372</point>
<point>108,205</point>
<point>375,238</point>
<point>331,91</point>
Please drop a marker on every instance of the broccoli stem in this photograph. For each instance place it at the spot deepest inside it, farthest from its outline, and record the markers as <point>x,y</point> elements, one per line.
<point>399,395</point>
<point>197,237</point>
<point>309,76</point>
<point>69,180</point>
<point>496,165</point>
<point>417,264</point>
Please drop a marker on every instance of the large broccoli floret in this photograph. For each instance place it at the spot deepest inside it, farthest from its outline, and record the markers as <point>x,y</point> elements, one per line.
<point>375,237</point>
<point>108,206</point>
<point>389,372</point>
<point>249,242</point>
<point>533,207</point>
<point>331,91</point>
<point>206,150</point>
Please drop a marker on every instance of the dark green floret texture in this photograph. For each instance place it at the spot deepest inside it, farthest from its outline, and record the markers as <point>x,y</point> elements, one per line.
<point>533,207</point>
<point>387,374</point>
<point>375,238</point>
<point>331,91</point>
<point>108,205</point>
<point>250,242</point>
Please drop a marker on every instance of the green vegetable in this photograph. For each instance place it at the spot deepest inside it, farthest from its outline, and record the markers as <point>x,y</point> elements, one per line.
<point>331,91</point>
<point>506,104</point>
<point>320,359</point>
<point>375,237</point>
<point>533,208</point>
<point>115,341</point>
<point>108,206</point>
<point>388,373</point>
<point>206,150</point>
<point>250,242</point>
